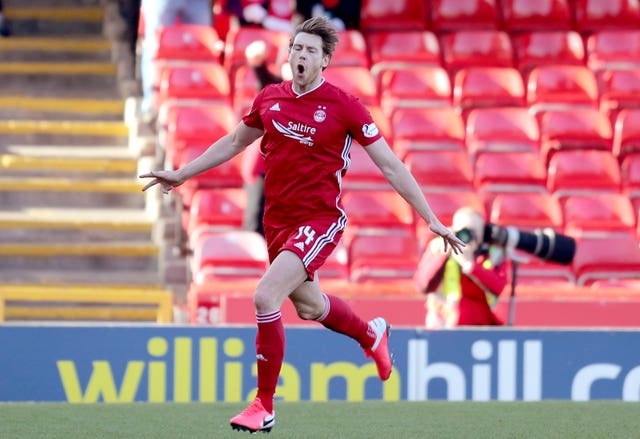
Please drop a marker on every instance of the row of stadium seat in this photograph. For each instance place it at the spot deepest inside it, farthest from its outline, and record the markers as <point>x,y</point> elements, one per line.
<point>513,15</point>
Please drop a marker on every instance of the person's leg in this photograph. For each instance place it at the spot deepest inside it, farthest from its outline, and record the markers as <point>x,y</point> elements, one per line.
<point>157,13</point>
<point>197,12</point>
<point>336,315</point>
<point>285,273</point>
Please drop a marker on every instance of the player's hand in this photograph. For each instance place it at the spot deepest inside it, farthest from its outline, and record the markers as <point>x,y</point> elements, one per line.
<point>451,241</point>
<point>166,179</point>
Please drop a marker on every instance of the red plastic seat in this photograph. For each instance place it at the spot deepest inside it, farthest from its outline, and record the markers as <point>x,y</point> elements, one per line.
<point>382,257</point>
<point>383,209</point>
<point>427,128</point>
<point>362,172</point>
<point>582,172</point>
<point>402,49</point>
<point>202,124</point>
<point>441,170</point>
<point>626,135</point>
<point>419,86</point>
<point>619,89</point>
<point>525,15</point>
<point>481,48</point>
<point>219,208</point>
<point>594,15</point>
<point>336,266</point>
<point>226,175</point>
<point>533,49</point>
<point>510,171</point>
<point>580,128</point>
<point>195,81</point>
<point>527,211</point>
<point>613,49</point>
<point>351,51</point>
<point>615,257</point>
<point>444,205</point>
<point>190,42</point>
<point>401,15</point>
<point>239,38</point>
<point>557,87</point>
<point>450,15</point>
<point>228,255</point>
<point>597,213</point>
<point>355,80</point>
<point>487,87</point>
<point>630,174</point>
<point>501,130</point>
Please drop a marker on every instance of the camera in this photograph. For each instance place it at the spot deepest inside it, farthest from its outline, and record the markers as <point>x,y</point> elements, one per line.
<point>545,244</point>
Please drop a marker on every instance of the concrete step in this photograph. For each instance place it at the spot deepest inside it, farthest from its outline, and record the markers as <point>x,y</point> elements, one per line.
<point>69,192</point>
<point>71,276</point>
<point>87,48</point>
<point>18,165</point>
<point>60,108</point>
<point>68,127</point>
<point>73,86</point>
<point>135,256</point>
<point>62,19</point>
<point>39,225</point>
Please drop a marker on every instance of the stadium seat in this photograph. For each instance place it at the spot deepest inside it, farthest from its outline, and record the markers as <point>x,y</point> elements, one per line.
<point>619,89</point>
<point>418,86</point>
<point>226,175</point>
<point>598,213</point>
<point>363,173</point>
<point>501,130</point>
<point>227,255</point>
<point>377,209</point>
<point>626,135</point>
<point>475,87</point>
<point>402,49</point>
<point>196,82</point>
<point>583,172</point>
<point>510,171</point>
<point>536,272</point>
<point>441,170</point>
<point>613,49</point>
<point>580,128</point>
<point>480,48</point>
<point>527,211</point>
<point>444,205</point>
<point>539,15</point>
<point>630,173</point>
<point>595,15</point>
<point>336,266</point>
<point>217,209</point>
<point>382,257</point>
<point>558,87</point>
<point>351,51</point>
<point>533,49</point>
<point>355,80</point>
<point>202,124</point>
<point>401,15</point>
<point>615,257</point>
<point>426,128</point>
<point>191,42</point>
<point>239,38</point>
<point>451,15</point>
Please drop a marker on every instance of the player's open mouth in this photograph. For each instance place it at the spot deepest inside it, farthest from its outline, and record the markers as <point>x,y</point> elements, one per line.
<point>300,68</point>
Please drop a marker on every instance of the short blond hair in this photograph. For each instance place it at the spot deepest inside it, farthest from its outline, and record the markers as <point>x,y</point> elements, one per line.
<point>322,27</point>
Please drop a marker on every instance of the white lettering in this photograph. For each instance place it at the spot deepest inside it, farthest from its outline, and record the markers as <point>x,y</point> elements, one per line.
<point>481,383</point>
<point>584,379</point>
<point>507,363</point>
<point>301,128</point>
<point>532,373</point>
<point>631,387</point>
<point>421,372</point>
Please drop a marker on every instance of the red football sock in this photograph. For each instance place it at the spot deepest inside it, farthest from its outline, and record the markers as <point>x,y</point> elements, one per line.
<point>270,343</point>
<point>339,317</point>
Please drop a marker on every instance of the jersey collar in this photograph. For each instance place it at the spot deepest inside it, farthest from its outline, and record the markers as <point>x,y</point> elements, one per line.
<point>299,95</point>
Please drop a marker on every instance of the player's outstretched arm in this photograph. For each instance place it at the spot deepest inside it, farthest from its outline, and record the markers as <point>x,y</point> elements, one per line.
<point>222,150</point>
<point>405,184</point>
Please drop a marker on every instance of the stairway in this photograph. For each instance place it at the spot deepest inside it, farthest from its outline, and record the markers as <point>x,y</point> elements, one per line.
<point>77,235</point>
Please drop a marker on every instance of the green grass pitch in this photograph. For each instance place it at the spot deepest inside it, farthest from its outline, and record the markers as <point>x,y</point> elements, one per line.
<point>327,420</point>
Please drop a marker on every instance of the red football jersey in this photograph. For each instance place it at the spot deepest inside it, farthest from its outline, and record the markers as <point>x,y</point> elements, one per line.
<point>306,148</point>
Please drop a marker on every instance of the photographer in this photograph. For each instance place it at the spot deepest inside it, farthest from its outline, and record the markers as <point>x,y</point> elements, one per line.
<point>463,288</point>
